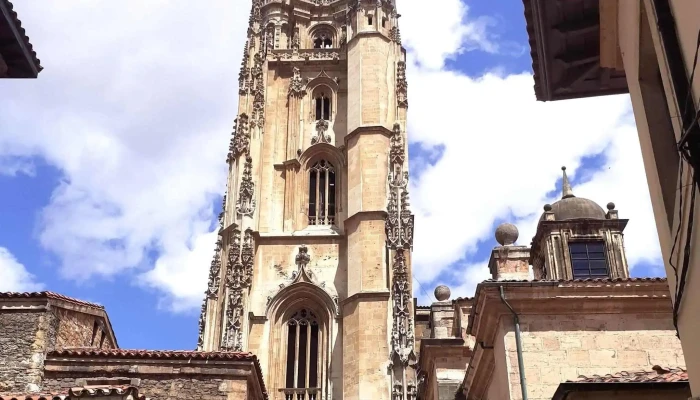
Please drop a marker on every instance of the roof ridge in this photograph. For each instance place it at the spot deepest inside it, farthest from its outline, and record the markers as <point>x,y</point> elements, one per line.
<point>50,295</point>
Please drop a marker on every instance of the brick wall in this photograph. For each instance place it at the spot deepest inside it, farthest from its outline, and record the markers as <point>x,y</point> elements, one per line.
<point>76,330</point>
<point>557,348</point>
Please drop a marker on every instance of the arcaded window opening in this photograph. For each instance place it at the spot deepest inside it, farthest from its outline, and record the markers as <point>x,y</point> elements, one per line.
<point>588,260</point>
<point>323,37</point>
<point>323,106</point>
<point>322,193</point>
<point>303,343</point>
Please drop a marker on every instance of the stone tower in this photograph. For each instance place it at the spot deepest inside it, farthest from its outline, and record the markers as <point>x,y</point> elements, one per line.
<point>312,269</point>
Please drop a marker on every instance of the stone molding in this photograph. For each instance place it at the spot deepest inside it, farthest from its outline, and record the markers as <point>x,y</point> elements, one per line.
<point>369,129</point>
<point>365,296</point>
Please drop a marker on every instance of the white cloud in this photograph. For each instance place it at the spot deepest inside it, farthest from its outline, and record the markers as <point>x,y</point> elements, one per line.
<point>14,277</point>
<point>502,153</point>
<point>134,107</point>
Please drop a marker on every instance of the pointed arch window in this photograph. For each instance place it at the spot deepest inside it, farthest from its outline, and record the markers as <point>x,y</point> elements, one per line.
<point>323,106</point>
<point>303,343</point>
<point>322,193</point>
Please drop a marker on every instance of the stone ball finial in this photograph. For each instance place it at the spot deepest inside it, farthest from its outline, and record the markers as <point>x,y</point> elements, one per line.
<point>506,234</point>
<point>563,168</point>
<point>442,293</point>
<point>548,207</point>
<point>611,206</point>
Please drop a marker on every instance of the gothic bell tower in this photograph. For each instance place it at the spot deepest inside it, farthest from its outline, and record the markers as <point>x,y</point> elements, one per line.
<point>312,269</point>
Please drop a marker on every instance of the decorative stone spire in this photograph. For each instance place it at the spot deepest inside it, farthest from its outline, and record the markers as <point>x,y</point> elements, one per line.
<point>566,191</point>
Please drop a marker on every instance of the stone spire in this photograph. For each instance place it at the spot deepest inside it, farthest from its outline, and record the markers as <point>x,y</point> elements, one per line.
<point>566,191</point>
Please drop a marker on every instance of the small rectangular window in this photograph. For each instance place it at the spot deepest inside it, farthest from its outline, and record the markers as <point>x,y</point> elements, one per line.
<point>588,260</point>
<point>369,20</point>
<point>383,22</point>
<point>95,327</point>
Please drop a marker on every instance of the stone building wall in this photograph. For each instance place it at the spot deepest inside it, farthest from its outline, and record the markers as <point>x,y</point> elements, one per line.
<point>557,348</point>
<point>167,387</point>
<point>24,339</point>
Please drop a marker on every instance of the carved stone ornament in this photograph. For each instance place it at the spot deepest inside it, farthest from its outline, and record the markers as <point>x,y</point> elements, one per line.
<point>399,236</point>
<point>243,74</point>
<point>258,114</point>
<point>246,202</point>
<point>401,85</point>
<point>240,138</point>
<point>296,84</point>
<point>255,15</point>
<point>202,324</point>
<point>304,274</point>
<point>321,135</point>
<point>296,40</point>
<point>397,152</point>
<point>214,273</point>
<point>222,214</point>
<point>238,278</point>
<point>395,34</point>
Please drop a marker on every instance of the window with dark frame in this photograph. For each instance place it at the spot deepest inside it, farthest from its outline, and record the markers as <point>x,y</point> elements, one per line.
<point>302,350</point>
<point>322,194</point>
<point>323,107</point>
<point>588,259</point>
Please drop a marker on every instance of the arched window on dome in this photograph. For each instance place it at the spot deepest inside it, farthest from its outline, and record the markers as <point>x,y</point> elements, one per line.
<point>322,193</point>
<point>303,344</point>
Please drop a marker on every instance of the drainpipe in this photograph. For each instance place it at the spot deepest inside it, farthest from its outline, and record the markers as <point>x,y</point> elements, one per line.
<point>518,344</point>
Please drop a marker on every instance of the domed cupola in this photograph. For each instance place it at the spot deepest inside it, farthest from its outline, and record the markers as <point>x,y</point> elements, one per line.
<point>572,207</point>
<point>577,239</point>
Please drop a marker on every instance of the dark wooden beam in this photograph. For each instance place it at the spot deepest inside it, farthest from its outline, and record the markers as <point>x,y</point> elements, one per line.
<point>586,24</point>
<point>573,58</point>
<point>576,75</point>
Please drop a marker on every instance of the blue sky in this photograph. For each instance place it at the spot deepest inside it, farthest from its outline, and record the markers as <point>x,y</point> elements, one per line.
<point>111,163</point>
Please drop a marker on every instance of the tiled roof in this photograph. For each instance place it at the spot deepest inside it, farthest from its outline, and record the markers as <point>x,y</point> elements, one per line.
<point>18,25</point>
<point>80,392</point>
<point>48,295</point>
<point>169,354</point>
<point>658,374</point>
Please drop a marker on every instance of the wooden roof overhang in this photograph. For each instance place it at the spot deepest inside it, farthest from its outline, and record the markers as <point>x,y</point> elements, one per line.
<point>15,49</point>
<point>566,46</point>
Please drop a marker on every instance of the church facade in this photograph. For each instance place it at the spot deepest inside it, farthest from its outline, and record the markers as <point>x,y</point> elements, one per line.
<point>309,292</point>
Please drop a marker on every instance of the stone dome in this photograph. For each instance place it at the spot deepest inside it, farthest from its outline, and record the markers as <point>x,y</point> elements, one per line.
<point>572,207</point>
<point>506,234</point>
<point>442,293</point>
<point>577,208</point>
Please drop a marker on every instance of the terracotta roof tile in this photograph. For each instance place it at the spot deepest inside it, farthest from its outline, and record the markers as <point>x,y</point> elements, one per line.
<point>169,354</point>
<point>18,25</point>
<point>658,374</point>
<point>49,295</point>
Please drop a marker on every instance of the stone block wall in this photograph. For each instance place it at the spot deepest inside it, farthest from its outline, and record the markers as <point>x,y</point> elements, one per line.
<point>166,387</point>
<point>24,339</point>
<point>557,348</point>
<point>676,394</point>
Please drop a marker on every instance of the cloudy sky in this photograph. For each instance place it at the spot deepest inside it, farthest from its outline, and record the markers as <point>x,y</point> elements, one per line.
<point>112,162</point>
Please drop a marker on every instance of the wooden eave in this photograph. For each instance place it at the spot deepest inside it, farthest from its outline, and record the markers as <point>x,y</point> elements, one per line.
<point>15,48</point>
<point>565,46</point>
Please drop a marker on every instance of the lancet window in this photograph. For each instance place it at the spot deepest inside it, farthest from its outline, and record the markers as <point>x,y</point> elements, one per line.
<point>323,106</point>
<point>322,193</point>
<point>588,259</point>
<point>303,344</point>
